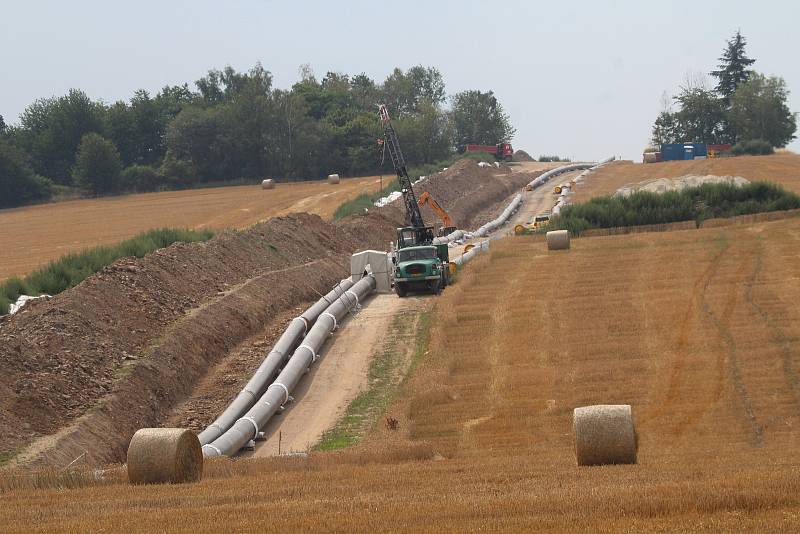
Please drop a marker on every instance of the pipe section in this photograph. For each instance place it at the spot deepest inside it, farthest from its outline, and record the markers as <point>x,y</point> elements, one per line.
<point>257,385</point>
<point>277,394</point>
<point>493,225</point>
<point>543,178</point>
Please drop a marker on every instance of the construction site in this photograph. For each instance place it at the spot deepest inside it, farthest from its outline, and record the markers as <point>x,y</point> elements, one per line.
<point>321,397</point>
<point>340,302</point>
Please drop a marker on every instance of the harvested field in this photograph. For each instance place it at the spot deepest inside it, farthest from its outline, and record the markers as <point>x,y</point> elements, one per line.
<point>35,235</point>
<point>705,350</point>
<point>782,169</point>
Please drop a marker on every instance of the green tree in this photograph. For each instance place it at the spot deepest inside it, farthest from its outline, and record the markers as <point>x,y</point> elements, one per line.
<point>18,183</point>
<point>733,68</point>
<point>52,128</point>
<point>758,110</point>
<point>97,165</point>
<point>701,118</point>
<point>478,117</point>
<point>665,129</point>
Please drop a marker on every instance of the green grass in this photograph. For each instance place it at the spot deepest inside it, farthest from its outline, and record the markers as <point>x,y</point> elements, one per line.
<point>70,270</point>
<point>384,378</point>
<point>366,201</point>
<point>694,203</point>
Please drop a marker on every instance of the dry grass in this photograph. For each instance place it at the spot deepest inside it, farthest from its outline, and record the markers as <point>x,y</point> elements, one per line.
<point>781,168</point>
<point>34,235</point>
<point>698,330</point>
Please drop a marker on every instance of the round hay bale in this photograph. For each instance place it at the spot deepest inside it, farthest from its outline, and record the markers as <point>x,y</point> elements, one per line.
<point>333,179</point>
<point>604,434</point>
<point>269,183</point>
<point>650,157</point>
<point>558,240</point>
<point>159,455</point>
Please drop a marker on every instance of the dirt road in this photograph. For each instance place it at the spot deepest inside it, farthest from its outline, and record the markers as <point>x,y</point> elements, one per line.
<point>323,395</point>
<point>34,235</point>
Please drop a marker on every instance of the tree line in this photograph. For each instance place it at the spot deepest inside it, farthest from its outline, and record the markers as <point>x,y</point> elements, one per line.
<point>234,126</point>
<point>746,107</point>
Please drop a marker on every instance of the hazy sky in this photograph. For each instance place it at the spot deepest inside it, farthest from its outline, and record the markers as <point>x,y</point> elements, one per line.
<point>579,78</point>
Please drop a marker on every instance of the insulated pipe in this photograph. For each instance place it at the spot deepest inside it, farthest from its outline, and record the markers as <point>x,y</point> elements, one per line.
<point>539,180</point>
<point>455,236</point>
<point>256,386</point>
<point>492,225</point>
<point>588,171</point>
<point>277,394</point>
<point>471,253</point>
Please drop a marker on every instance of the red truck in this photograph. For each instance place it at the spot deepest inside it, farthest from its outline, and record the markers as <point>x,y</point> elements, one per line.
<point>503,151</point>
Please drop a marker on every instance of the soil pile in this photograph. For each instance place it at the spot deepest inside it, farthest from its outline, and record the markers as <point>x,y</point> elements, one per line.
<point>471,194</point>
<point>521,155</point>
<point>132,340</point>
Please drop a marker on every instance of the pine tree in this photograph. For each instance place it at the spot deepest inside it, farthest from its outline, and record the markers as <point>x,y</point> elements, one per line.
<point>733,67</point>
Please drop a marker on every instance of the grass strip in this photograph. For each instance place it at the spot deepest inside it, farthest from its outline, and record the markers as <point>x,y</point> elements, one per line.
<point>712,200</point>
<point>71,269</point>
<point>385,375</point>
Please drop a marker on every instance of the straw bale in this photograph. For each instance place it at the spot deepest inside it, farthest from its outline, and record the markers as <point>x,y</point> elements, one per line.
<point>604,434</point>
<point>333,178</point>
<point>159,455</point>
<point>269,183</point>
<point>558,240</point>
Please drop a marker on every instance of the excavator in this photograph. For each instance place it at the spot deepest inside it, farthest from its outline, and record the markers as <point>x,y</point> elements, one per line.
<point>447,223</point>
<point>419,265</point>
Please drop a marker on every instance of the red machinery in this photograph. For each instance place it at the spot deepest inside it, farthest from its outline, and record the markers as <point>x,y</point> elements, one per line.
<point>503,151</point>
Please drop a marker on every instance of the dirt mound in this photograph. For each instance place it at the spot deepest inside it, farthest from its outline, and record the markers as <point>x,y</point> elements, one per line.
<point>471,194</point>
<point>521,155</point>
<point>131,341</point>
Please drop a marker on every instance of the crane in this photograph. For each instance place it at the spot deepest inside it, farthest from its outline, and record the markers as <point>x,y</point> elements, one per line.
<point>447,222</point>
<point>415,232</point>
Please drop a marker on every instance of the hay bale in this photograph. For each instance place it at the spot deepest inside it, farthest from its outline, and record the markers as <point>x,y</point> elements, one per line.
<point>159,455</point>
<point>558,240</point>
<point>269,183</point>
<point>604,434</point>
<point>333,178</point>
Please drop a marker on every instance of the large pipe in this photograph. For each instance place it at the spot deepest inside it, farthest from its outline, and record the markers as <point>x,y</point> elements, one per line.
<point>542,178</point>
<point>454,236</point>
<point>259,382</point>
<point>492,225</point>
<point>277,394</point>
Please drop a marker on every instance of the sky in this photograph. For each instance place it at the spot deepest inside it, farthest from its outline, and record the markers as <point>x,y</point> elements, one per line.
<point>582,79</point>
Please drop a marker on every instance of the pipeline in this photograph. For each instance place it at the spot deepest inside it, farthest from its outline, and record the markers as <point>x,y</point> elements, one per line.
<point>471,253</point>
<point>562,199</point>
<point>259,382</point>
<point>492,225</point>
<point>543,178</point>
<point>278,393</point>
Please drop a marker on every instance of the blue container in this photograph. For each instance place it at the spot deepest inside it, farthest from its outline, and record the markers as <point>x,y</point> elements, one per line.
<point>672,152</point>
<point>700,149</point>
<point>688,152</point>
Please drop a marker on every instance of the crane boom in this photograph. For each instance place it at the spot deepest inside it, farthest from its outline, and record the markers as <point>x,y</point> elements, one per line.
<point>413,214</point>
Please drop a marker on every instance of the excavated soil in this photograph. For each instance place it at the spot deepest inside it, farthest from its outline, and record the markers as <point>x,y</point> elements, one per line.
<point>521,155</point>
<point>170,338</point>
<point>471,194</point>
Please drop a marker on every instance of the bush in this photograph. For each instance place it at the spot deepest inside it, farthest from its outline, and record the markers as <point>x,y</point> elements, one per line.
<point>18,183</point>
<point>141,178</point>
<point>753,147</point>
<point>694,203</point>
<point>545,159</point>
<point>70,270</point>
<point>97,165</point>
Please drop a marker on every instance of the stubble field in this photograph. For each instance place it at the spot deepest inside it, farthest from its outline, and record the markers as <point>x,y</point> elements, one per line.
<point>697,329</point>
<point>34,235</point>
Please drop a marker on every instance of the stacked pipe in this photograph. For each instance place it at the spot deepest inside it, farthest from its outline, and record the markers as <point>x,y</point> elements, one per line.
<point>277,394</point>
<point>257,385</point>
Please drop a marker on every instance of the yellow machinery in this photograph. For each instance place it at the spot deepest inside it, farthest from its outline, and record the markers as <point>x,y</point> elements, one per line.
<point>540,221</point>
<point>447,222</point>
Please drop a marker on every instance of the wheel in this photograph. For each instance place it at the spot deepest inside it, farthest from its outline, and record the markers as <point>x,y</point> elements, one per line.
<point>400,289</point>
<point>436,288</point>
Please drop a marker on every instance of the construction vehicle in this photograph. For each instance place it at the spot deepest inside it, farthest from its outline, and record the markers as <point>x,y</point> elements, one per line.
<point>419,265</point>
<point>538,222</point>
<point>501,151</point>
<point>447,223</point>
